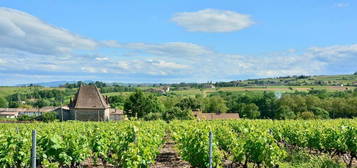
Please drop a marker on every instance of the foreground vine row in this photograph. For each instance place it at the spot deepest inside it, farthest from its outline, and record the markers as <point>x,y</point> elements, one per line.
<point>126,144</point>
<point>263,142</point>
<point>244,143</point>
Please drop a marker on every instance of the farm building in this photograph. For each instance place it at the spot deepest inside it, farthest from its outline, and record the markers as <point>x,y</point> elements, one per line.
<point>116,114</point>
<point>89,105</point>
<point>215,116</point>
<point>15,112</point>
<point>162,90</point>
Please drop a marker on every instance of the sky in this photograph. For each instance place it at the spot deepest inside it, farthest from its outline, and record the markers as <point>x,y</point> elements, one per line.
<point>162,41</point>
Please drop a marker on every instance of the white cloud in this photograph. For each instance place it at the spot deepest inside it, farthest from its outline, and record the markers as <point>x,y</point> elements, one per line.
<point>21,31</point>
<point>2,61</point>
<point>334,52</point>
<point>169,49</point>
<point>31,48</point>
<point>212,20</point>
<point>153,67</point>
<point>164,64</point>
<point>342,5</point>
<point>102,58</point>
<point>89,69</point>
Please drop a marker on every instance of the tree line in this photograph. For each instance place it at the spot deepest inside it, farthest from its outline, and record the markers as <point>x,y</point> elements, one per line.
<point>315,104</point>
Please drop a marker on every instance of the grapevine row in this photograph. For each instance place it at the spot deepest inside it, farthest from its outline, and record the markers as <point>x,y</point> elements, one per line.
<point>127,144</point>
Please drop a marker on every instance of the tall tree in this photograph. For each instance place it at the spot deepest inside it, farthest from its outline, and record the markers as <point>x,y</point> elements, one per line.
<point>189,103</point>
<point>215,104</point>
<point>139,105</point>
<point>249,111</point>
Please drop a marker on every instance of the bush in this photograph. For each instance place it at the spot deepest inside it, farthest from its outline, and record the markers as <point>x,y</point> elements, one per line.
<point>152,116</point>
<point>25,118</point>
<point>307,115</point>
<point>47,117</point>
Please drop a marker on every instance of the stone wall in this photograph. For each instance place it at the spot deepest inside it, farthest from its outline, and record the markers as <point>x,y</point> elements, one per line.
<point>90,114</point>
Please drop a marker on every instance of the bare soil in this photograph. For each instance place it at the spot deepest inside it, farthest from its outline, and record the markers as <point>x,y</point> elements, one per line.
<point>168,157</point>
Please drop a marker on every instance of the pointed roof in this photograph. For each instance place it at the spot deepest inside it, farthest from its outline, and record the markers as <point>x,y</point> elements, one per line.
<point>89,97</point>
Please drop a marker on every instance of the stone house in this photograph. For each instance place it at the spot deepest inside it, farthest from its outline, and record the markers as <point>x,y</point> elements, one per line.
<point>89,105</point>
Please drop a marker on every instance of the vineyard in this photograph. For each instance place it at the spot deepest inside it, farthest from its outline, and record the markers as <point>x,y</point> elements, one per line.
<point>236,143</point>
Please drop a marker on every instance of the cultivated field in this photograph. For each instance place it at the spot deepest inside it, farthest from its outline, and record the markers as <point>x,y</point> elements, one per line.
<point>235,143</point>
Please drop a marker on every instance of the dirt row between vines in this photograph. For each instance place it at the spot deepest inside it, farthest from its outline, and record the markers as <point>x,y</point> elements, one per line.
<point>168,157</point>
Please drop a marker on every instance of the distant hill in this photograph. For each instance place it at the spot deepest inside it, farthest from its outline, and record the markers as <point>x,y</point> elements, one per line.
<point>298,80</point>
<point>301,80</point>
<point>48,84</point>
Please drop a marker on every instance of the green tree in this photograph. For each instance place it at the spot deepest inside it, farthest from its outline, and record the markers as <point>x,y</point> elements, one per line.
<point>320,113</point>
<point>178,114</point>
<point>189,103</point>
<point>267,104</point>
<point>117,101</point>
<point>284,112</point>
<point>249,111</point>
<point>139,105</point>
<point>3,103</point>
<point>41,103</point>
<point>14,104</point>
<point>215,104</point>
<point>307,115</point>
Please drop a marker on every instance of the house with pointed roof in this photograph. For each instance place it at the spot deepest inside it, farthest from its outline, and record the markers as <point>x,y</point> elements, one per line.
<point>89,105</point>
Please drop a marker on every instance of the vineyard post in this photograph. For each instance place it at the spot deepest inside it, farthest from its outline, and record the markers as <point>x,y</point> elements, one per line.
<point>33,151</point>
<point>210,149</point>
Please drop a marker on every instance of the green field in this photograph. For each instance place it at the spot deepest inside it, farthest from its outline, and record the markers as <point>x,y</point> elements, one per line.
<point>137,144</point>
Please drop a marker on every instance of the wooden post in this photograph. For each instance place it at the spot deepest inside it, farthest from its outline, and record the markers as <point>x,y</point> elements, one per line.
<point>210,149</point>
<point>33,151</point>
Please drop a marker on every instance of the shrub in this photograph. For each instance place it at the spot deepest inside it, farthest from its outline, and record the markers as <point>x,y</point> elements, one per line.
<point>307,115</point>
<point>25,118</point>
<point>47,117</point>
<point>152,116</point>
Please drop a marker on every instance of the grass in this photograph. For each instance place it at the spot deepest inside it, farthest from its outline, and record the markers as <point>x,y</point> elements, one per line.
<point>6,91</point>
<point>301,159</point>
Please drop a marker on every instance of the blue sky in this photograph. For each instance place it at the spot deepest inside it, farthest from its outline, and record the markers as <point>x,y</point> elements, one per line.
<point>174,41</point>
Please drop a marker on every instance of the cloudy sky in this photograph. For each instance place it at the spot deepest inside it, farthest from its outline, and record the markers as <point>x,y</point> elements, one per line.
<point>174,41</point>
